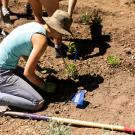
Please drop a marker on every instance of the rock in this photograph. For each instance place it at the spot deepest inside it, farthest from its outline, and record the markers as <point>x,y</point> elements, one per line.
<point>57,112</point>
<point>127,51</point>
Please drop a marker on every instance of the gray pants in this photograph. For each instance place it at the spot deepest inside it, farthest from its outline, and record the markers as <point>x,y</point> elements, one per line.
<point>15,91</point>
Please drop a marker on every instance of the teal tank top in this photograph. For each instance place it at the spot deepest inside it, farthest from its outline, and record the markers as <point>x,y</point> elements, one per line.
<point>18,43</point>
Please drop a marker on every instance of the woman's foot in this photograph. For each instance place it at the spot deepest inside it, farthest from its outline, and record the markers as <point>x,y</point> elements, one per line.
<point>6,16</point>
<point>5,11</point>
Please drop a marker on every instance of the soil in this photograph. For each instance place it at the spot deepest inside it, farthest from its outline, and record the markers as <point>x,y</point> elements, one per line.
<point>110,96</point>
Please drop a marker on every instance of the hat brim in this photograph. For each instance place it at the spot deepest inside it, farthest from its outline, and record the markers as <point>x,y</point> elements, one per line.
<point>54,24</point>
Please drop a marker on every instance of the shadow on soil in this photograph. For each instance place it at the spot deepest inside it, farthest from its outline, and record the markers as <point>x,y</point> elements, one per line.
<point>85,47</point>
<point>67,88</point>
<point>22,15</point>
<point>28,14</point>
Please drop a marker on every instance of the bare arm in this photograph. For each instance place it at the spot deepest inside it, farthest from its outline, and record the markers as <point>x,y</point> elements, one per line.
<point>39,45</point>
<point>71,6</point>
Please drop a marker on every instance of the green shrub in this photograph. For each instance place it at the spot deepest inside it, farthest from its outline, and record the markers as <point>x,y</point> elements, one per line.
<point>85,18</point>
<point>72,47</point>
<point>113,60</point>
<point>95,17</point>
<point>58,129</point>
<point>71,71</point>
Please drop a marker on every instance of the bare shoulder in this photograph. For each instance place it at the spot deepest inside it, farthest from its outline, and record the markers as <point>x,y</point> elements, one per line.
<point>38,38</point>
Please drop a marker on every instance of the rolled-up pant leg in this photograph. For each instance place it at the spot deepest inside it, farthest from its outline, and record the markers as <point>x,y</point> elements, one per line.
<point>16,92</point>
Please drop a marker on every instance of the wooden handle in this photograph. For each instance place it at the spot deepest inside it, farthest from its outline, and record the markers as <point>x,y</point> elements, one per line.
<point>88,124</point>
<point>71,121</point>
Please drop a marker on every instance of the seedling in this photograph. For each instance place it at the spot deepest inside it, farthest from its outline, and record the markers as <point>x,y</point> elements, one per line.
<point>71,71</point>
<point>85,19</point>
<point>113,60</point>
<point>95,18</point>
<point>96,24</point>
<point>72,47</point>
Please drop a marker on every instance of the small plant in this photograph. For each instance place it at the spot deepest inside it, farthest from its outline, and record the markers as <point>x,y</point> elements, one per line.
<point>95,17</point>
<point>113,60</point>
<point>85,18</point>
<point>58,129</point>
<point>71,71</point>
<point>72,47</point>
<point>96,24</point>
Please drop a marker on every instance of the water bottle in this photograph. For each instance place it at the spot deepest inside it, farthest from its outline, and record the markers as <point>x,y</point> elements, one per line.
<point>78,99</point>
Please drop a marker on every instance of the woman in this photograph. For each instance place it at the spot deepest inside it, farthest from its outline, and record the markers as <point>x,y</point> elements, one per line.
<point>51,6</point>
<point>28,40</point>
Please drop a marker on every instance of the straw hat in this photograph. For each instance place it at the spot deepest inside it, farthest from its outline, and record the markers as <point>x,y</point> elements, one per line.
<point>60,21</point>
